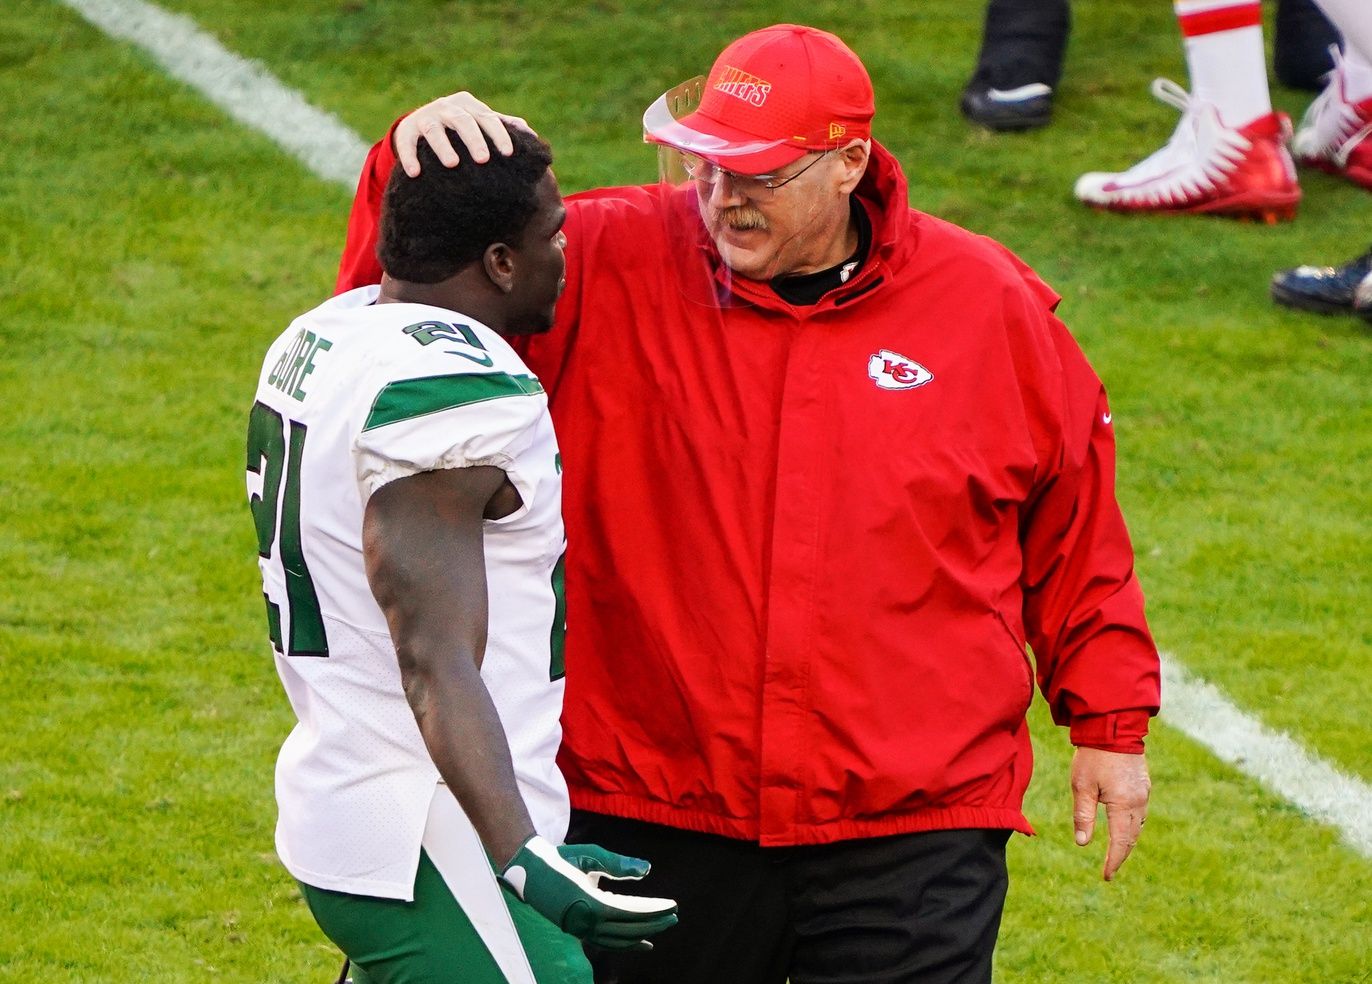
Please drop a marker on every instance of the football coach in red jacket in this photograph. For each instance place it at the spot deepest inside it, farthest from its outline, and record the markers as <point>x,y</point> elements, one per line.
<point>830,463</point>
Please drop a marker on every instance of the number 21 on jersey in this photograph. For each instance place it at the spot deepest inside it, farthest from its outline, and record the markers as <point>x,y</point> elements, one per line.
<point>275,448</point>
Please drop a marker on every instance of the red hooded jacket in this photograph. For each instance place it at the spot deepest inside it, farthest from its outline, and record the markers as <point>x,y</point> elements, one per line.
<point>809,544</point>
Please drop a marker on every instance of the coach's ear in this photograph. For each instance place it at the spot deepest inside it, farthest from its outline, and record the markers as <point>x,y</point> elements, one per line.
<point>499,263</point>
<point>853,160</point>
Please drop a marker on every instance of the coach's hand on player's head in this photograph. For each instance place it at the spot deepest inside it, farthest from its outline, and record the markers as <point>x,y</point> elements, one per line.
<point>562,884</point>
<point>462,112</point>
<point>1119,781</point>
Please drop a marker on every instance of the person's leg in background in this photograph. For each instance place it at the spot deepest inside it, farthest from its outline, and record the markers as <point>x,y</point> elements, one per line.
<point>1020,64</point>
<point>1336,133</point>
<point>1302,37</point>
<point>1227,155</point>
<point>1336,136</point>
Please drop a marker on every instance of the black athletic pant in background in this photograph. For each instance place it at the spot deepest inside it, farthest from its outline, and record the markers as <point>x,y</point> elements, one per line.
<point>909,909</point>
<point>1300,47</point>
<point>1023,41</point>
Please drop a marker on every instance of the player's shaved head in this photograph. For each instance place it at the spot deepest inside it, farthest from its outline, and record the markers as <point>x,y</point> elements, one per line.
<point>435,224</point>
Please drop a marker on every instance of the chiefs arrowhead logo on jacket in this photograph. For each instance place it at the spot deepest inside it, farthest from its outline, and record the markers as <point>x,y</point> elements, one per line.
<point>894,371</point>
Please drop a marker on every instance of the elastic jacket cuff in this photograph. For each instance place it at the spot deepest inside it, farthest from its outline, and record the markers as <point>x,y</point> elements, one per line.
<point>1118,731</point>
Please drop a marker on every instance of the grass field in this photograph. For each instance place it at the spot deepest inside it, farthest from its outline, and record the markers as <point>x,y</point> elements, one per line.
<point>150,248</point>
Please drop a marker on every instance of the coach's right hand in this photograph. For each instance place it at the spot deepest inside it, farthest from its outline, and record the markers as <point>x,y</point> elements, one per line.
<point>471,118</point>
<point>562,885</point>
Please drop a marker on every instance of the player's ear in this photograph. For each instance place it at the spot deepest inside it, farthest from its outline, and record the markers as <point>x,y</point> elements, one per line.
<point>499,263</point>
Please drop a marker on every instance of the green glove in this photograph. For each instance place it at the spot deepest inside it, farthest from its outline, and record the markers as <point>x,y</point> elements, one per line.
<point>563,885</point>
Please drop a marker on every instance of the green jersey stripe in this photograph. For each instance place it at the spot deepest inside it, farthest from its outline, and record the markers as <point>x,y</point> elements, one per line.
<point>409,398</point>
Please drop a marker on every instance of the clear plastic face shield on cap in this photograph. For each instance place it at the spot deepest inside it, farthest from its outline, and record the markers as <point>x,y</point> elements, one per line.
<point>764,224</point>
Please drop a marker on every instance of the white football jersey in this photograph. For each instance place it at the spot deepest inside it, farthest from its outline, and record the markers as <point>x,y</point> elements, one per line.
<point>354,395</point>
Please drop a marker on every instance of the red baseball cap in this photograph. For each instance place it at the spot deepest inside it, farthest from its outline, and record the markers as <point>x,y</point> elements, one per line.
<point>772,96</point>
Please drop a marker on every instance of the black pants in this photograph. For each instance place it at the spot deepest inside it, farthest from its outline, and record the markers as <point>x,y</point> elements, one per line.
<point>1300,48</point>
<point>1024,41</point>
<point>910,909</point>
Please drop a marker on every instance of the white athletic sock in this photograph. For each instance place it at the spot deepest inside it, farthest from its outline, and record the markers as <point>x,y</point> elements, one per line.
<point>1224,56</point>
<point>1353,18</point>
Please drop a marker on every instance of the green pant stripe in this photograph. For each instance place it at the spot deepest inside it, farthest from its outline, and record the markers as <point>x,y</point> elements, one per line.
<point>432,941</point>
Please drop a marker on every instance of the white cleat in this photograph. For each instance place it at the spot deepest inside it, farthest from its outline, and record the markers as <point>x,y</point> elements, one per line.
<point>1206,167</point>
<point>1335,134</point>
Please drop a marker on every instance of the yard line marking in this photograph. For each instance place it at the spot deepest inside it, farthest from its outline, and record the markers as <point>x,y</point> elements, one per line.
<point>254,97</point>
<point>242,88</point>
<point>1274,759</point>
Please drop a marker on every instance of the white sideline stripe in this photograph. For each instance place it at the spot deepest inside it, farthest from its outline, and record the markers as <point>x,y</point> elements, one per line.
<point>253,96</point>
<point>1199,710</point>
<point>242,88</point>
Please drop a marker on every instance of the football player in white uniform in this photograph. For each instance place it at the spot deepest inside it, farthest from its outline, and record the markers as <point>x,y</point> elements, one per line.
<point>405,483</point>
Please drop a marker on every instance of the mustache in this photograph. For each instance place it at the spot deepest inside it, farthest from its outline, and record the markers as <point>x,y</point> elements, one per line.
<point>741,217</point>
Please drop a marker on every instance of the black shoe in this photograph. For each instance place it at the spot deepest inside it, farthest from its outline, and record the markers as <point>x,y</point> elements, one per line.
<point>1324,290</point>
<point>1021,108</point>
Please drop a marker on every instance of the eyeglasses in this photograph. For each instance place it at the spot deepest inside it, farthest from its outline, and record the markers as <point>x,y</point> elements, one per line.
<point>699,169</point>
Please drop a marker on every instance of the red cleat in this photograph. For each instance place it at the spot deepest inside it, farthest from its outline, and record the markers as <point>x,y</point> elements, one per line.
<point>1335,134</point>
<point>1205,168</point>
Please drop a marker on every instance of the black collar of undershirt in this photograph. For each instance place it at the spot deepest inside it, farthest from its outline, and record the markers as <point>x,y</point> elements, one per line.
<point>808,288</point>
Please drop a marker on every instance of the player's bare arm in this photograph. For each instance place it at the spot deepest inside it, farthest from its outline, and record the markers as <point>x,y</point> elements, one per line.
<point>1118,780</point>
<point>422,542</point>
<point>462,112</point>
